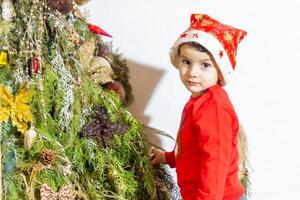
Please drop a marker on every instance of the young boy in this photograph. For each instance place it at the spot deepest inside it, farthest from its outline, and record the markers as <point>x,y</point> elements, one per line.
<point>206,155</point>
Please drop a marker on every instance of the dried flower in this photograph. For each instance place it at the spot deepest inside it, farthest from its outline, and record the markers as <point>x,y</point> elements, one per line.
<point>63,6</point>
<point>101,128</point>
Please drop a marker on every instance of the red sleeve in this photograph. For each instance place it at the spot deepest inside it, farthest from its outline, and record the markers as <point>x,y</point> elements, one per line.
<point>214,134</point>
<point>170,158</point>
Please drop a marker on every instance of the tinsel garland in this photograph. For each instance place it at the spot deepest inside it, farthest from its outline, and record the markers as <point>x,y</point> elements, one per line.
<point>19,74</point>
<point>66,84</point>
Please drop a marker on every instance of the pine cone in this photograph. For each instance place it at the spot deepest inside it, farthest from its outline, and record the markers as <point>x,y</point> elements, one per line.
<point>47,156</point>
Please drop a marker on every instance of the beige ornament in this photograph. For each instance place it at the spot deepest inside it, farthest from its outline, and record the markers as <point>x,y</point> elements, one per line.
<point>86,52</point>
<point>100,70</point>
<point>29,138</point>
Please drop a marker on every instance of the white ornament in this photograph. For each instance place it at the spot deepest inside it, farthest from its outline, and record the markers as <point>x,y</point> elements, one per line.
<point>8,11</point>
<point>29,138</point>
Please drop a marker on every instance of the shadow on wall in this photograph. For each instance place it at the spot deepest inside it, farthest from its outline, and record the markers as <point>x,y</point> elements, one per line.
<point>143,80</point>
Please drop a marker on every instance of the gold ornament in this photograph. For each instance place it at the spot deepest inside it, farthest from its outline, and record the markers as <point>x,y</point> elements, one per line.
<point>29,138</point>
<point>86,52</point>
<point>15,107</point>
<point>100,70</point>
<point>3,58</point>
<point>8,11</point>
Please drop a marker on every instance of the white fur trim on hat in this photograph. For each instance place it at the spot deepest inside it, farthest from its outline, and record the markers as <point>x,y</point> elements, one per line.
<point>211,44</point>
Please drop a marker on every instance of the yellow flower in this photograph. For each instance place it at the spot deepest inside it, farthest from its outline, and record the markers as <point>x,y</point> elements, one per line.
<point>15,107</point>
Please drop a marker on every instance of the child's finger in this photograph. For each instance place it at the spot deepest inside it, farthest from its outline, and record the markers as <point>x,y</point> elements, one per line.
<point>151,155</point>
<point>152,149</point>
<point>153,161</point>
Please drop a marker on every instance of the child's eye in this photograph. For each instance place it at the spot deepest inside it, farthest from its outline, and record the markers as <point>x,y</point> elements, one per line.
<point>186,62</point>
<point>206,65</point>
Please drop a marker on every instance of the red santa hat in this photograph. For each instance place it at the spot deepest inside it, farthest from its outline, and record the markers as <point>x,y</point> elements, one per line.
<point>219,39</point>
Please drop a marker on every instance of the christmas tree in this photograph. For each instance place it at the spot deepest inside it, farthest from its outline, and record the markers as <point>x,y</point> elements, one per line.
<point>64,128</point>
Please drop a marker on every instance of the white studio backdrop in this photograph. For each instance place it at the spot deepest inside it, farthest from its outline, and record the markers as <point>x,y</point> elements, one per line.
<point>265,88</point>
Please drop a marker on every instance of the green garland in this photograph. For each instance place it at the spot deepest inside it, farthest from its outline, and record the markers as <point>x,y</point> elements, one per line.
<point>63,92</point>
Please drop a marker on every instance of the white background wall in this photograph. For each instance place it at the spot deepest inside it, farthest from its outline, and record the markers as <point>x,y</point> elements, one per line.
<point>264,90</point>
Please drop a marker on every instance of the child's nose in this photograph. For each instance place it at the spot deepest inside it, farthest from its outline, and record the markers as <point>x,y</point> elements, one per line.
<point>194,72</point>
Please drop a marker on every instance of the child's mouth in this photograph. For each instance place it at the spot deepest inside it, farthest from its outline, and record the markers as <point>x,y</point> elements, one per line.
<point>191,83</point>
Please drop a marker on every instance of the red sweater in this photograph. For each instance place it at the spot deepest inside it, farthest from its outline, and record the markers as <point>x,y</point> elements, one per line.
<point>206,155</point>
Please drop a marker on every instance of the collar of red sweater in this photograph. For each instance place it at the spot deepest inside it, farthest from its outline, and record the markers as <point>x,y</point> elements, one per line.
<point>203,97</point>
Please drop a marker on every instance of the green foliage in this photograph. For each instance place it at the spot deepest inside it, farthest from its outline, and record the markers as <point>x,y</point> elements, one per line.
<point>54,179</point>
<point>4,28</point>
<point>14,189</point>
<point>6,76</point>
<point>122,72</point>
<point>63,92</point>
<point>245,181</point>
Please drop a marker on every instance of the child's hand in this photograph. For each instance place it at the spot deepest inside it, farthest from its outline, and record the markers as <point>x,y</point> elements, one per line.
<point>157,156</point>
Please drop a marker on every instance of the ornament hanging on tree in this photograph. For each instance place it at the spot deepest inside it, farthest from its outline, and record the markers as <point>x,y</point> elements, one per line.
<point>8,11</point>
<point>29,138</point>
<point>33,66</point>
<point>97,30</point>
<point>86,52</point>
<point>63,6</point>
<point>65,193</point>
<point>118,88</point>
<point>4,58</point>
<point>15,107</point>
<point>100,70</point>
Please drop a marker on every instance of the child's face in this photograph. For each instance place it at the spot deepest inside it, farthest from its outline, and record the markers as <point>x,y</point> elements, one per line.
<point>197,70</point>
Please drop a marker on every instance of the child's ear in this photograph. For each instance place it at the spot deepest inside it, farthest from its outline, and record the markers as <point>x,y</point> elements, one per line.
<point>220,78</point>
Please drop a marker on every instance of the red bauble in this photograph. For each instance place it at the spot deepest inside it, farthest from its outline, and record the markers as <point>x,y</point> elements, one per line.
<point>97,30</point>
<point>118,88</point>
<point>35,65</point>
